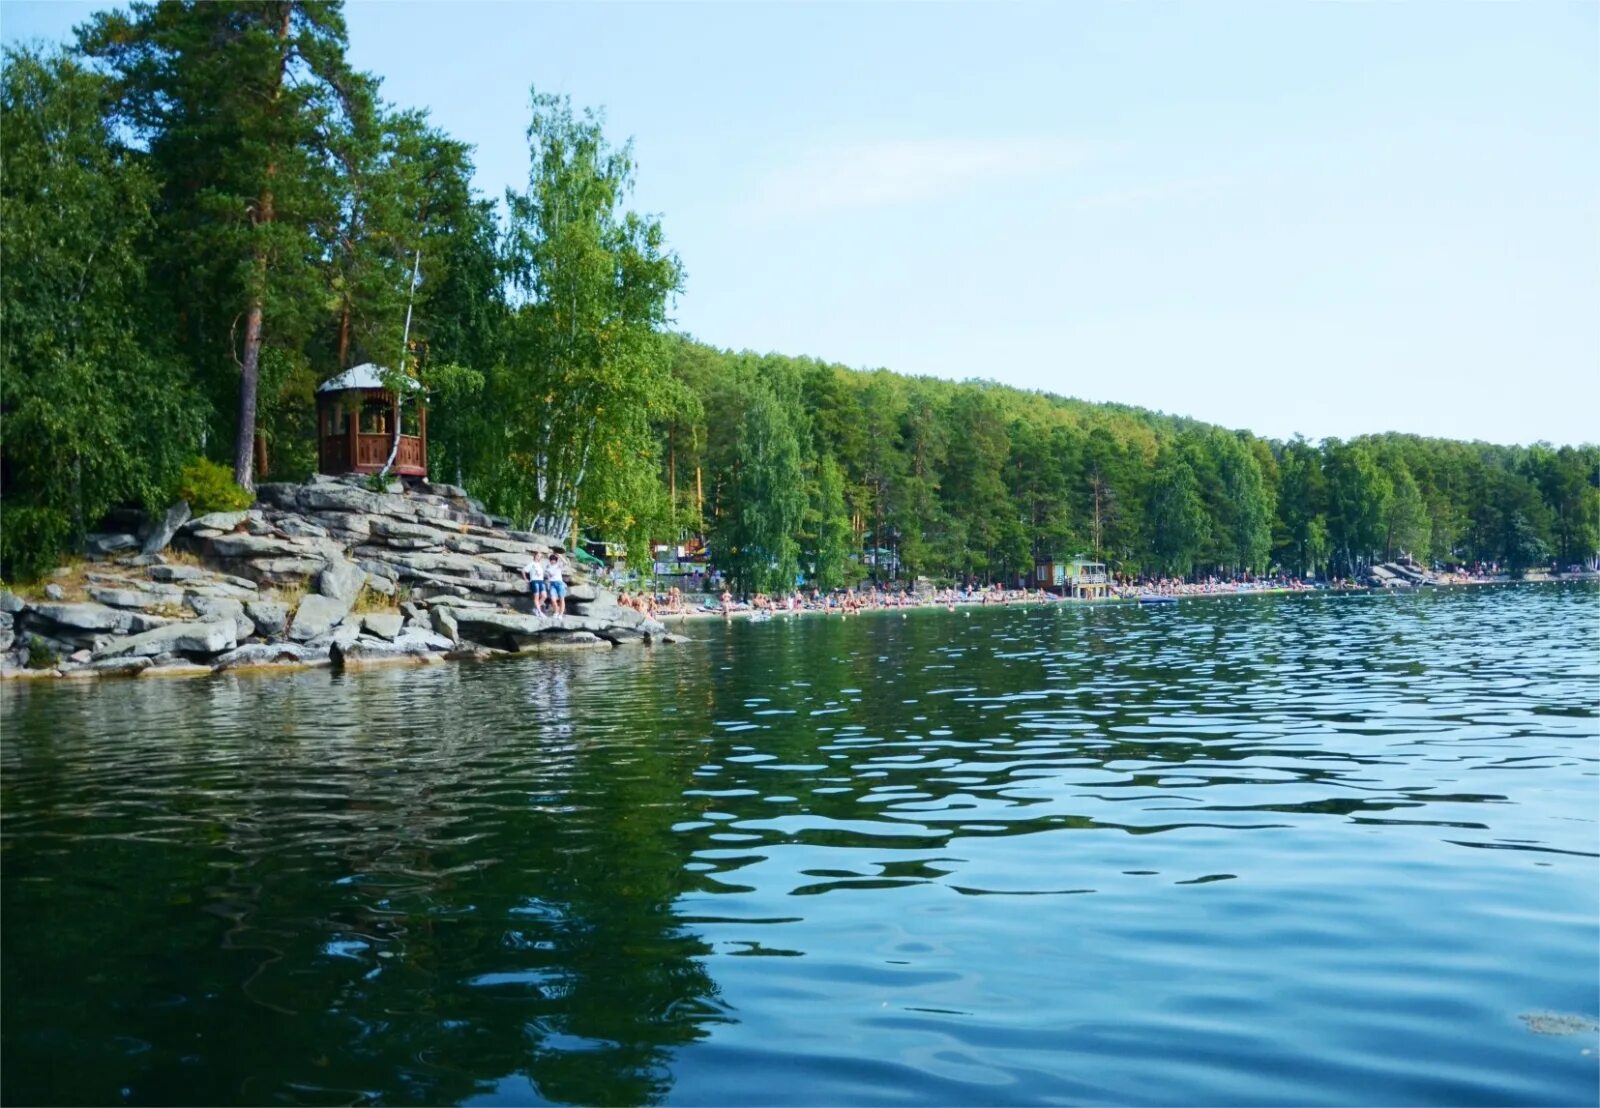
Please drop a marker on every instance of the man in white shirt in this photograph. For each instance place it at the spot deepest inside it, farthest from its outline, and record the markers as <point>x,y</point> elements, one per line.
<point>535,571</point>
<point>557,587</point>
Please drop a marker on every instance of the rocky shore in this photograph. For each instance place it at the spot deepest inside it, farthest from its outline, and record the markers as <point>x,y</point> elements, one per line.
<point>328,572</point>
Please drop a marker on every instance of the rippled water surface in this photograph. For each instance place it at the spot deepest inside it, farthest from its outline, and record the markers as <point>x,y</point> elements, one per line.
<point>1313,849</point>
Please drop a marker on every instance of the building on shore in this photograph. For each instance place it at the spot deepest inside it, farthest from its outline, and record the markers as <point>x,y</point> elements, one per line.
<point>1078,578</point>
<point>356,419</point>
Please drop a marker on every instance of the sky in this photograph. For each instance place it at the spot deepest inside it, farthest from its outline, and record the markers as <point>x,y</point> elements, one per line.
<point>1326,219</point>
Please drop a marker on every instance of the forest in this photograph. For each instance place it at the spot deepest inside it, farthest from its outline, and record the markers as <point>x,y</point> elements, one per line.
<point>206,211</point>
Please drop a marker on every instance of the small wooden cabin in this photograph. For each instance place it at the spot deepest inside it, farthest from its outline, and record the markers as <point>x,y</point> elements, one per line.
<point>356,418</point>
<point>1079,578</point>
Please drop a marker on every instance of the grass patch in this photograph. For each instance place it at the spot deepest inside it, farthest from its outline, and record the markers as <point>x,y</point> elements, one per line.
<point>71,576</point>
<point>289,595</point>
<point>371,600</point>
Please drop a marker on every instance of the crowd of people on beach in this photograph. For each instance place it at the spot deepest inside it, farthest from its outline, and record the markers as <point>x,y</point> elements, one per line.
<point>871,598</point>
<point>718,599</point>
<point>1174,586</point>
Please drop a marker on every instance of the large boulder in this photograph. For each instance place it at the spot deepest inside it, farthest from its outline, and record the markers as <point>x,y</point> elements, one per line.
<point>81,616</point>
<point>176,573</point>
<point>333,496</point>
<point>444,622</point>
<point>348,528</point>
<point>103,544</point>
<point>278,494</point>
<point>385,625</point>
<point>266,654</point>
<point>569,640</point>
<point>416,565</point>
<point>342,635</point>
<point>161,594</point>
<point>159,530</point>
<point>341,579</point>
<point>317,615</point>
<point>220,588</point>
<point>269,616</point>
<point>298,527</point>
<point>119,667</point>
<point>413,645</point>
<point>501,629</point>
<point>256,546</point>
<point>216,521</point>
<point>282,571</point>
<point>125,598</point>
<point>217,609</point>
<point>174,638</point>
<point>389,529</point>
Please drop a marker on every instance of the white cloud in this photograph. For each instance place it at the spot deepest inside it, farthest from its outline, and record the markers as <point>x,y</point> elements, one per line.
<point>880,174</point>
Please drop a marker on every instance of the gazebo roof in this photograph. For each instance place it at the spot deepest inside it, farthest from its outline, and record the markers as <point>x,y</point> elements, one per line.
<point>367,375</point>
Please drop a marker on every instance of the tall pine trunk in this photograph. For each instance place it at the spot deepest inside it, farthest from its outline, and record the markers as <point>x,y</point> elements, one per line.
<point>250,372</point>
<point>250,368</point>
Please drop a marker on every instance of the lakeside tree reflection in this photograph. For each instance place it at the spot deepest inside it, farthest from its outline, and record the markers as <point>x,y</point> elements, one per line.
<point>371,901</point>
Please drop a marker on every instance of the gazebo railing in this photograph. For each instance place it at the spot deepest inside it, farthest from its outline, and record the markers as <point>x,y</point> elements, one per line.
<point>371,451</point>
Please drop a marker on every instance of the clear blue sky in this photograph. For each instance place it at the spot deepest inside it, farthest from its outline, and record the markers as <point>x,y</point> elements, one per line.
<point>1316,218</point>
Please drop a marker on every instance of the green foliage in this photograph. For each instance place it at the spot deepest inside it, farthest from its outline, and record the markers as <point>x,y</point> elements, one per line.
<point>1178,523</point>
<point>209,487</point>
<point>1406,523</point>
<point>40,656</point>
<point>831,550</point>
<point>96,411</point>
<point>32,541</point>
<point>247,112</point>
<point>567,409</point>
<point>756,541</point>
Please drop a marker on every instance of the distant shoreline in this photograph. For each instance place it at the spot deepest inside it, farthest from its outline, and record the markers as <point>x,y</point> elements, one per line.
<point>699,615</point>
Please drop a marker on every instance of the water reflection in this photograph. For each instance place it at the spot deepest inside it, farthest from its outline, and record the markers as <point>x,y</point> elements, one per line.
<point>834,850</point>
<point>318,871</point>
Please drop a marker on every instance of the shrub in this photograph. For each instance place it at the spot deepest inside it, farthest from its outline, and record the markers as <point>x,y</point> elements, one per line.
<point>40,656</point>
<point>209,487</point>
<point>31,541</point>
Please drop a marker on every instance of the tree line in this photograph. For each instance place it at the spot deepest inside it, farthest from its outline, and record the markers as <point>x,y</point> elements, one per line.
<point>205,211</point>
<point>794,464</point>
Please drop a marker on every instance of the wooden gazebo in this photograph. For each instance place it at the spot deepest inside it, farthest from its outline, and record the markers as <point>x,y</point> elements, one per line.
<point>356,418</point>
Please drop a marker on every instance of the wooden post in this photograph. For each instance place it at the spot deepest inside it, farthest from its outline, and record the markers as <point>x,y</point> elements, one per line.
<point>352,428</point>
<point>422,426</point>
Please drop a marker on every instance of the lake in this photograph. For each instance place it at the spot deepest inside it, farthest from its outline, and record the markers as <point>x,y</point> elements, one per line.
<point>1319,849</point>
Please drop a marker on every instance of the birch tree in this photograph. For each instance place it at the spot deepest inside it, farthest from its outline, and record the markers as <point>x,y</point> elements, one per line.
<point>586,366</point>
